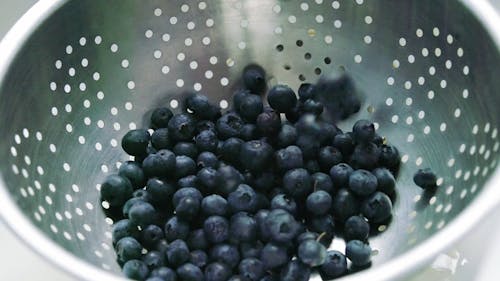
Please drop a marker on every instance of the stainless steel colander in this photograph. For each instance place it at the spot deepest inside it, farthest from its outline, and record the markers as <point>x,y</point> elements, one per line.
<point>76,75</point>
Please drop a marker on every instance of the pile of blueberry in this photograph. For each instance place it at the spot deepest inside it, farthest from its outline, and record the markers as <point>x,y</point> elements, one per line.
<point>256,193</point>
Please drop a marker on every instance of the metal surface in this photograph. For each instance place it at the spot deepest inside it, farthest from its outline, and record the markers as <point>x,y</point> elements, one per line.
<point>429,70</point>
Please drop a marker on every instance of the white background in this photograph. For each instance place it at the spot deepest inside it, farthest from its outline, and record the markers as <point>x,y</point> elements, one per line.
<point>478,255</point>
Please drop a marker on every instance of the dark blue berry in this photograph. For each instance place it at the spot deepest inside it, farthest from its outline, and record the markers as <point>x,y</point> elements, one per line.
<point>133,171</point>
<point>312,166</point>
<point>190,272</point>
<point>312,253</point>
<point>181,127</point>
<point>319,203</point>
<point>230,150</point>
<point>282,98</point>
<point>254,78</point>
<point>124,228</point>
<point>268,123</point>
<point>340,175</point>
<point>185,148</point>
<point>177,253</point>
<point>356,228</point>
<point>309,125</point>
<point>217,271</point>
<point>250,249</point>
<point>198,258</point>
<point>243,199</point>
<point>151,235</point>
<point>289,158</point>
<point>358,252</point>
<point>386,181</point>
<point>207,177</point>
<point>363,131</point>
<point>199,105</point>
<point>309,145</point>
<point>249,132</point>
<point>188,208</point>
<point>142,194</point>
<point>365,156</point>
<point>159,164</point>
<point>322,224</point>
<point>282,201</point>
<point>225,253</point>
<point>196,240</point>
<point>325,239</point>
<point>344,142</point>
<point>344,205</point>
<point>216,229</point>
<point>237,278</point>
<point>153,259</point>
<point>160,117</point>
<point>322,181</point>
<point>327,133</point>
<point>377,208</point>
<point>229,125</point>
<point>176,228</point>
<point>274,256</point>
<point>127,249</point>
<point>160,139</point>
<point>135,269</point>
<point>204,125</point>
<point>287,135</point>
<point>135,142</point>
<point>207,159</point>
<point>260,217</point>
<point>362,182</point>
<point>128,205</point>
<point>262,201</point>
<point>214,205</point>
<point>257,154</point>
<point>164,273</point>
<point>313,107</point>
<point>293,115</point>
<point>242,228</point>
<point>328,157</point>
<point>206,141</point>
<point>186,192</point>
<point>250,107</point>
<point>389,157</point>
<point>189,181</point>
<point>184,166</point>
<point>306,91</point>
<point>251,269</point>
<point>297,182</point>
<point>425,178</point>
<point>295,270</point>
<point>335,265</point>
<point>238,98</point>
<point>116,190</point>
<point>281,225</point>
<point>161,247</point>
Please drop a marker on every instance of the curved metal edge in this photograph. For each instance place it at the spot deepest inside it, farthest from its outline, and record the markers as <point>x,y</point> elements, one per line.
<point>395,269</point>
<point>14,219</point>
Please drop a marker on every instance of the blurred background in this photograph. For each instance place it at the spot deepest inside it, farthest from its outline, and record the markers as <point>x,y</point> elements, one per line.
<point>475,258</point>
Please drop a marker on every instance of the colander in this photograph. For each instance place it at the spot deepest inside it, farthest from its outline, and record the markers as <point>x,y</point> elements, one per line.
<point>76,75</point>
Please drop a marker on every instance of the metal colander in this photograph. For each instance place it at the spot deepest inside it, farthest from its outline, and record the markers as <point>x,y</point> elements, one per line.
<point>76,75</point>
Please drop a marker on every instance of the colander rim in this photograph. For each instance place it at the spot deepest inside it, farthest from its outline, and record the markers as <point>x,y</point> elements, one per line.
<point>396,268</point>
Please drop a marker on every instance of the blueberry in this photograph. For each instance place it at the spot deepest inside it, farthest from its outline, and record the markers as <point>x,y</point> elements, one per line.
<point>164,273</point>
<point>319,203</point>
<point>184,166</point>
<point>160,139</point>
<point>309,146</point>
<point>116,190</point>
<point>365,156</point>
<point>242,228</point>
<point>189,181</point>
<point>289,158</point>
<point>186,192</point>
<point>262,201</point>
<point>230,150</point>
<point>312,166</point>
<point>328,157</point>
<point>133,171</point>
<point>260,217</point>
<point>207,159</point>
<point>135,142</point>
<point>356,228</point>
<point>257,154</point>
<point>127,249</point>
<point>322,224</point>
<point>425,178</point>
<point>160,191</point>
<point>142,214</point>
<point>128,205</point>
<point>217,272</point>
<point>185,148</point>
<point>386,181</point>
<point>282,98</point>
<point>335,265</point>
<point>274,256</point>
<point>310,125</point>
<point>306,91</point>
<point>188,208</point>
<point>161,247</point>
<point>176,228</point>
<point>225,253</point>
<point>389,157</point>
<point>269,278</point>
<point>206,141</point>
<point>142,195</point>
<point>151,236</point>
<point>312,253</point>
<point>282,201</point>
<point>154,279</point>
<point>177,253</point>
<point>251,250</point>
<point>377,208</point>
<point>268,123</point>
<point>251,269</point>
<point>254,78</point>
<point>293,115</point>
<point>124,228</point>
<point>358,252</point>
<point>362,182</point>
<point>181,127</point>
<point>345,205</point>
<point>237,278</point>
<point>135,269</point>
<point>207,177</point>
<point>250,107</point>
<point>190,272</point>
<point>153,259</point>
<point>214,205</point>
<point>327,133</point>
<point>313,107</point>
<point>160,117</point>
<point>297,182</point>
<point>199,105</point>
<point>249,132</point>
<point>204,125</point>
<point>340,175</point>
<point>281,226</point>
<point>322,181</point>
<point>159,164</point>
<point>238,98</point>
<point>199,258</point>
<point>196,240</point>
<point>216,229</point>
<point>363,131</point>
<point>243,198</point>
<point>295,270</point>
<point>287,135</point>
<point>263,181</point>
<point>344,142</point>
<point>229,125</point>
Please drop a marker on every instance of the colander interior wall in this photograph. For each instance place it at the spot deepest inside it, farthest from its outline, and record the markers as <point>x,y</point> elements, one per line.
<point>94,69</point>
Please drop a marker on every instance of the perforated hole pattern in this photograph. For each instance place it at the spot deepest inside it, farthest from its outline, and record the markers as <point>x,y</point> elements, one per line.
<point>425,88</point>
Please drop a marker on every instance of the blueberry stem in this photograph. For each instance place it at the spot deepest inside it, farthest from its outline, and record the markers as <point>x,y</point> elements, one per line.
<point>323,234</point>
